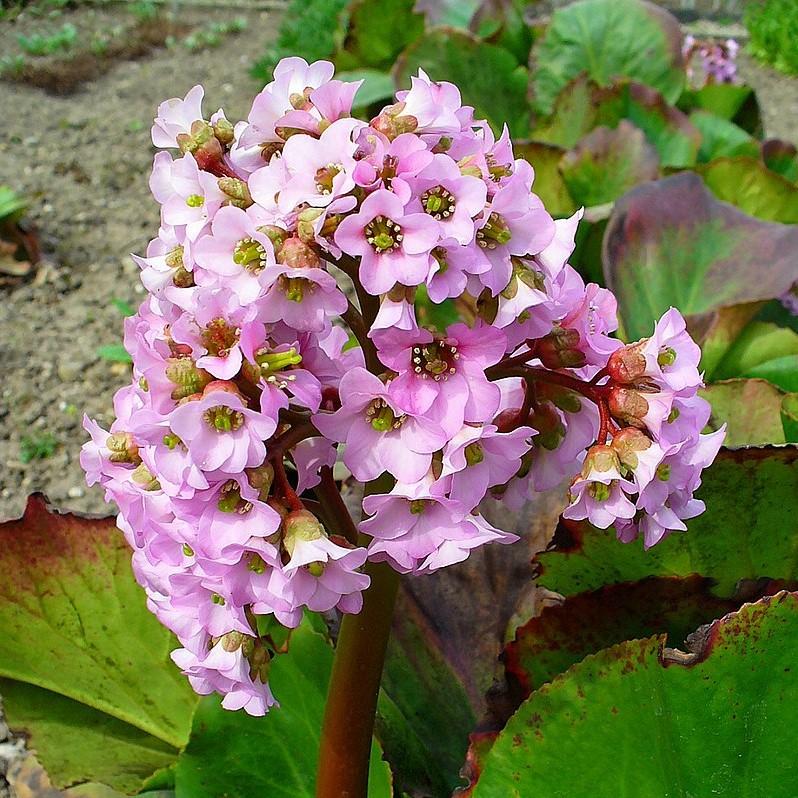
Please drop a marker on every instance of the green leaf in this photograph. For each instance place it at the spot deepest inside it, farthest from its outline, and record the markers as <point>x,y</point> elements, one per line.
<point>452,13</point>
<point>719,137</point>
<point>722,331</point>
<point>641,719</point>
<point>549,184</point>
<point>671,243</point>
<point>563,634</point>
<point>747,532</point>
<point>781,157</point>
<point>607,163</point>
<point>80,650</point>
<point>781,371</point>
<point>308,28</point>
<point>748,184</point>
<point>503,23</point>
<point>12,206</point>
<point>749,408</point>
<point>237,756</point>
<point>758,343</point>
<point>115,353</point>
<point>377,86</point>
<point>477,68</point>
<point>378,31</point>
<point>725,100</point>
<point>789,417</point>
<point>608,39</point>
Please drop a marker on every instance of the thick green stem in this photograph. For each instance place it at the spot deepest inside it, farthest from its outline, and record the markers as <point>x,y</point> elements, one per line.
<point>353,690</point>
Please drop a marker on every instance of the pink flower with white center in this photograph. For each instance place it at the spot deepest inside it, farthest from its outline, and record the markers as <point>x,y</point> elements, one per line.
<point>515,223</point>
<point>201,598</point>
<point>221,432</point>
<point>212,329</point>
<point>320,169</point>
<point>451,266</point>
<point>304,298</point>
<point>416,532</point>
<point>449,197</point>
<point>434,106</point>
<point>393,246</point>
<point>320,573</point>
<point>669,518</point>
<point>478,458</point>
<point>379,434</point>
<point>235,254</point>
<point>382,163</point>
<point>444,377</point>
<point>169,264</point>
<point>188,196</point>
<point>599,494</point>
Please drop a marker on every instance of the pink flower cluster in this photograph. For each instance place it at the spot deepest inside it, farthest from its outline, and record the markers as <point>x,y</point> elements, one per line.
<point>718,59</point>
<point>280,341</point>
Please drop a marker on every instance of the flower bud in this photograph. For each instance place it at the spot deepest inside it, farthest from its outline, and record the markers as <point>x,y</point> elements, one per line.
<point>143,477</point>
<point>628,405</point>
<point>237,191</point>
<point>189,379</point>
<point>600,458</point>
<point>559,349</point>
<point>305,220</point>
<point>223,130</point>
<point>301,526</point>
<point>626,364</point>
<point>546,420</point>
<point>123,448</point>
<point>296,254</point>
<point>261,479</point>
<point>391,123</point>
<point>627,443</point>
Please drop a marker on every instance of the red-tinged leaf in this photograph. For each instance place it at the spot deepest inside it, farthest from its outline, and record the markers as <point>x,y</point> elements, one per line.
<point>672,243</point>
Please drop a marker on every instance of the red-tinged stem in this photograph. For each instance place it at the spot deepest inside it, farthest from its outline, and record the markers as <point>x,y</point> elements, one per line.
<point>329,497</point>
<point>354,686</point>
<point>283,486</point>
<point>604,422</point>
<point>593,392</point>
<point>358,327</point>
<point>348,725</point>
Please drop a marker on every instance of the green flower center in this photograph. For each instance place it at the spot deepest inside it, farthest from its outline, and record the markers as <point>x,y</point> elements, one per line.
<point>381,416</point>
<point>195,200</point>
<point>219,337</point>
<point>383,234</point>
<point>230,500</point>
<point>223,418</point>
<point>495,231</point>
<point>666,357</point>
<point>474,453</point>
<point>250,254</point>
<point>295,288</point>
<point>599,491</point>
<point>324,177</point>
<point>438,202</point>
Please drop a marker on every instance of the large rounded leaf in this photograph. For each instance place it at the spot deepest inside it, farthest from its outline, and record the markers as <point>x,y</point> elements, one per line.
<point>672,243</point>
<point>489,77</point>
<point>608,39</point>
<point>750,409</point>
<point>233,755</point>
<point>79,650</point>
<point>640,719</point>
<point>748,532</point>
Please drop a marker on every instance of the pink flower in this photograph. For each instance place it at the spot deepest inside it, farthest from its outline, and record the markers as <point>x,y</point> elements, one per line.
<point>393,246</point>
<point>176,116</point>
<point>379,434</point>
<point>221,432</point>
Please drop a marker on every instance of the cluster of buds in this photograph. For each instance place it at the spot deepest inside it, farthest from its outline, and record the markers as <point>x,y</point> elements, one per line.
<point>279,341</point>
<point>718,59</point>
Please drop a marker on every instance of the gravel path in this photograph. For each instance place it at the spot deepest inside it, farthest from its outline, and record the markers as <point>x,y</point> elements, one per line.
<point>83,162</point>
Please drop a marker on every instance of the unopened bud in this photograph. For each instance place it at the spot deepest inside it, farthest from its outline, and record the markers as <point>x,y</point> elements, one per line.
<point>305,224</point>
<point>546,420</point>
<point>392,123</point>
<point>601,458</point>
<point>301,526</point>
<point>123,448</point>
<point>223,130</point>
<point>187,378</point>
<point>627,364</point>
<point>297,254</point>
<point>236,191</point>
<point>261,479</point>
<point>232,641</point>
<point>142,476</point>
<point>628,405</point>
<point>559,349</point>
<point>627,443</point>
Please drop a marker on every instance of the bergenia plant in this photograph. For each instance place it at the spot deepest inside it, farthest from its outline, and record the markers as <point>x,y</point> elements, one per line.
<point>278,353</point>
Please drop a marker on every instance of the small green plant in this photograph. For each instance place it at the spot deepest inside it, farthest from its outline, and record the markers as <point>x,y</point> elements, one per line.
<point>38,44</point>
<point>38,446</point>
<point>773,26</point>
<point>212,35</point>
<point>144,10</point>
<point>12,206</point>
